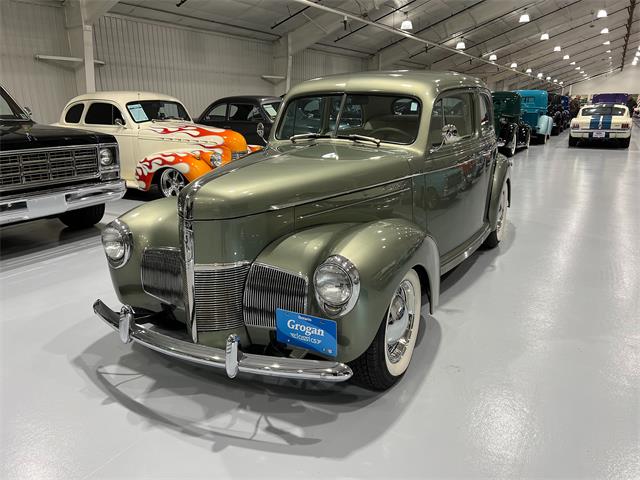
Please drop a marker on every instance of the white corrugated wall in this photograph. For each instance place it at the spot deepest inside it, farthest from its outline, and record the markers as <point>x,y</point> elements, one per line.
<point>195,66</point>
<point>313,63</point>
<point>26,30</point>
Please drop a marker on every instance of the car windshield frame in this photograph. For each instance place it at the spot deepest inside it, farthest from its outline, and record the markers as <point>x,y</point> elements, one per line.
<point>337,131</point>
<point>270,104</point>
<point>18,114</point>
<point>606,110</point>
<point>142,120</point>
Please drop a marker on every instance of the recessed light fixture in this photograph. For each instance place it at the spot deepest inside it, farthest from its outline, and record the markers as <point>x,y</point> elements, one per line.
<point>544,36</point>
<point>607,43</point>
<point>528,70</point>
<point>493,57</point>
<point>557,48</point>
<point>572,63</point>
<point>566,57</point>
<point>602,14</point>
<point>524,18</point>
<point>604,30</point>
<point>514,65</point>
<point>460,45</point>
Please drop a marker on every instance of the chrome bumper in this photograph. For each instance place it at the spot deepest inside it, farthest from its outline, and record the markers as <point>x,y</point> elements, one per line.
<point>29,206</point>
<point>232,359</point>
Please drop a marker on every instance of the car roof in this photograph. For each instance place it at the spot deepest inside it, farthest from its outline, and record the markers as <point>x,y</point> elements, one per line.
<point>605,104</point>
<point>421,84</point>
<point>249,98</point>
<point>123,96</point>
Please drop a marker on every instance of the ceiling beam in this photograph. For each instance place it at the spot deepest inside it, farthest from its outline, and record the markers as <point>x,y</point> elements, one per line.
<point>632,7</point>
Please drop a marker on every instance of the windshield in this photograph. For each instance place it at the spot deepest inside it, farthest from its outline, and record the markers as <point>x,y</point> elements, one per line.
<point>148,110</point>
<point>389,118</point>
<point>271,109</point>
<point>9,110</point>
<point>602,110</point>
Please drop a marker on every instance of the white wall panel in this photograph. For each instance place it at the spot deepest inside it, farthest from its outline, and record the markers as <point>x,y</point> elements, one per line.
<point>313,63</point>
<point>195,66</point>
<point>627,81</point>
<point>28,29</point>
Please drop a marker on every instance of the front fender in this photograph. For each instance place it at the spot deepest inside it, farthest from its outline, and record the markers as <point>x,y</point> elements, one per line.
<point>501,174</point>
<point>383,251</point>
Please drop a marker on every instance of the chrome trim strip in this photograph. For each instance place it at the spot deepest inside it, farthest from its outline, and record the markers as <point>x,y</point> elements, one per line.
<point>473,246</point>
<point>219,266</point>
<point>301,369</point>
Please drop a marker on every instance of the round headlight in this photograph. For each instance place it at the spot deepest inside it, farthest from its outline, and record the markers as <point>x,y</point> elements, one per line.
<point>116,241</point>
<point>106,157</point>
<point>216,159</point>
<point>337,285</point>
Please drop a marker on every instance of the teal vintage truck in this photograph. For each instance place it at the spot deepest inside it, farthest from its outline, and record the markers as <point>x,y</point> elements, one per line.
<point>316,257</point>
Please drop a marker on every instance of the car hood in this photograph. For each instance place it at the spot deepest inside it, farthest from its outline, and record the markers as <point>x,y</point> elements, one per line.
<point>193,134</point>
<point>284,176</point>
<point>28,135</point>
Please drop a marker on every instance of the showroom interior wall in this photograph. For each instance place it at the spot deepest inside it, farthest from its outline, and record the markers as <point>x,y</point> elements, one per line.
<point>626,81</point>
<point>26,28</point>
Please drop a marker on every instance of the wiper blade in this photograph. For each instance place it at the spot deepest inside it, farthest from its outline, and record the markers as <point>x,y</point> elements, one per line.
<point>362,138</point>
<point>304,136</point>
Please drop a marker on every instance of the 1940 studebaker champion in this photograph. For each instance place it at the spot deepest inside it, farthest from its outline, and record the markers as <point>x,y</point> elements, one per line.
<point>313,258</point>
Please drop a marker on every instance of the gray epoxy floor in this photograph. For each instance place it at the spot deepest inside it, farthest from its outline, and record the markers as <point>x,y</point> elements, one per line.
<point>530,368</point>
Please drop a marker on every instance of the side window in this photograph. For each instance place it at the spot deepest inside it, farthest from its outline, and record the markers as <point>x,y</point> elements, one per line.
<point>453,109</point>
<point>241,112</point>
<point>217,113</point>
<point>74,113</point>
<point>102,114</point>
<point>486,113</point>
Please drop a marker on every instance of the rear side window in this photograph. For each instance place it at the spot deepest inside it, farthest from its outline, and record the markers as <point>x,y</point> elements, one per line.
<point>242,112</point>
<point>217,113</point>
<point>74,113</point>
<point>486,113</point>
<point>102,114</point>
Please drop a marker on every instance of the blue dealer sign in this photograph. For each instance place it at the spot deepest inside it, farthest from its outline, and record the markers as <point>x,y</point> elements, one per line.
<point>304,331</point>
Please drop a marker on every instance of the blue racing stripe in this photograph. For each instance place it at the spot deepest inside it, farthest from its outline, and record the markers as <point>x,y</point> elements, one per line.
<point>606,121</point>
<point>595,121</point>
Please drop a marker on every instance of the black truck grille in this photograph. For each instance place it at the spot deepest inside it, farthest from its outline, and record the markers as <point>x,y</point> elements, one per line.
<point>47,167</point>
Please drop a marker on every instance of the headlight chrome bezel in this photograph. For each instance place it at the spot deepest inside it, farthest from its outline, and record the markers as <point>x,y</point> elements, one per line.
<point>110,157</point>
<point>215,159</point>
<point>343,264</point>
<point>127,242</point>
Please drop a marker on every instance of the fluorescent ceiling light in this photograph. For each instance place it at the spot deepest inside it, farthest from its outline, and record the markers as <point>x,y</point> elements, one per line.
<point>460,45</point>
<point>566,57</point>
<point>528,70</point>
<point>406,25</point>
<point>493,57</point>
<point>607,43</point>
<point>604,30</point>
<point>514,65</point>
<point>524,18</point>
<point>572,63</point>
<point>544,36</point>
<point>557,48</point>
<point>602,13</point>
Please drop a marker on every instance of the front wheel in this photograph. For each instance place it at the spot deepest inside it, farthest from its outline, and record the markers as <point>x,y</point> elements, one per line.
<point>83,217</point>
<point>171,182</point>
<point>511,151</point>
<point>526,145</point>
<point>496,236</point>
<point>389,355</point>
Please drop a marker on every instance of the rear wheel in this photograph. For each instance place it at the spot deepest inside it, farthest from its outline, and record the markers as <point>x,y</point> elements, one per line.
<point>542,139</point>
<point>573,141</point>
<point>171,182</point>
<point>389,355</point>
<point>624,143</point>
<point>83,217</point>
<point>526,145</point>
<point>495,237</point>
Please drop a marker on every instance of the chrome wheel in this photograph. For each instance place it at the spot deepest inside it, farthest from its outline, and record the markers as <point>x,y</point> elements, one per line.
<point>171,182</point>
<point>528,140</point>
<point>514,140</point>
<point>502,214</point>
<point>401,324</point>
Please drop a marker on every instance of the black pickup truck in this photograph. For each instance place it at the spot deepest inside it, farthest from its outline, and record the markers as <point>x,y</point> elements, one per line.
<point>48,171</point>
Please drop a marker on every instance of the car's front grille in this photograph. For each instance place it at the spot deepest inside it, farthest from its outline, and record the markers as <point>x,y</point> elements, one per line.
<point>218,295</point>
<point>237,155</point>
<point>162,274</point>
<point>269,288</point>
<point>47,167</point>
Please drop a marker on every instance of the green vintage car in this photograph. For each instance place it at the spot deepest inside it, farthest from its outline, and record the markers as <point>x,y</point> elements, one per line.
<point>313,258</point>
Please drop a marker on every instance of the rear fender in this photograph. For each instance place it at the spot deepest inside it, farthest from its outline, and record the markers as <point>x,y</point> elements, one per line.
<point>382,251</point>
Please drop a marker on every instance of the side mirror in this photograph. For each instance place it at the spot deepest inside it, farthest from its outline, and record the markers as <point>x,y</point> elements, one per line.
<point>119,122</point>
<point>260,131</point>
<point>450,134</point>
<point>28,111</point>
